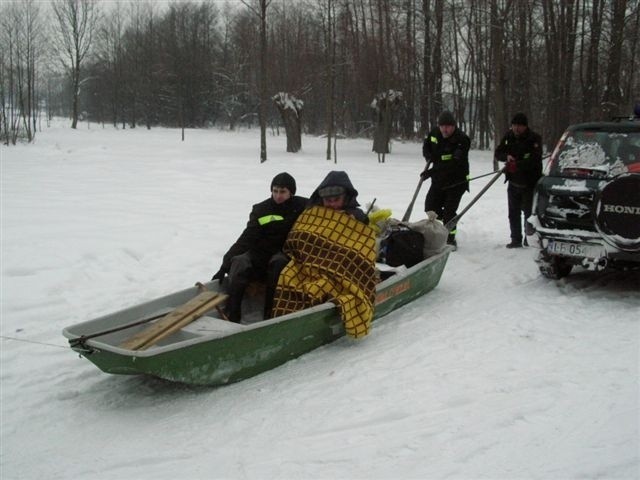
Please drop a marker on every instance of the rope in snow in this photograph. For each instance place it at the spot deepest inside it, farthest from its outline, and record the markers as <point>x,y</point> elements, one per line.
<point>32,341</point>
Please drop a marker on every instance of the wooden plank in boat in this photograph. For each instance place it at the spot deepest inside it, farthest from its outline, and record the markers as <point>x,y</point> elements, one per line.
<point>174,320</point>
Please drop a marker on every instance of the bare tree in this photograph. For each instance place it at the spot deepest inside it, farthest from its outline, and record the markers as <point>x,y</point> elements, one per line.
<point>330,55</point>
<point>9,117</point>
<point>632,86</point>
<point>612,97</point>
<point>560,61</point>
<point>77,20</point>
<point>560,24</point>
<point>31,48</point>
<point>523,57</point>
<point>436,73</point>
<point>474,33</point>
<point>431,103</point>
<point>22,45</point>
<point>110,57</point>
<point>409,67</point>
<point>233,76</point>
<point>261,12</point>
<point>590,54</point>
<point>136,63</point>
<point>425,99</point>
<point>150,75</point>
<point>499,12</point>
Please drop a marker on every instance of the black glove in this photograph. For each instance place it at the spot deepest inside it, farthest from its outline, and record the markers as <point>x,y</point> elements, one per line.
<point>425,174</point>
<point>219,275</point>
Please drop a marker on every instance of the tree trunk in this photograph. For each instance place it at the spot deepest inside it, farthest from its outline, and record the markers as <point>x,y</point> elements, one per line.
<point>331,55</point>
<point>560,23</point>
<point>409,113</point>
<point>612,98</point>
<point>290,109</point>
<point>425,99</point>
<point>499,80</point>
<point>263,81</point>
<point>436,80</point>
<point>590,84</point>
<point>76,96</point>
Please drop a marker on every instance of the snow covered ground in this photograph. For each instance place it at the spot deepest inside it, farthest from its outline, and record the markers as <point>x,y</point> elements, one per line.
<point>496,374</point>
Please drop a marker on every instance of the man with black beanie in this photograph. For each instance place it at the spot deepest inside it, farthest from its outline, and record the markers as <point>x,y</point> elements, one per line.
<point>521,150</point>
<point>257,253</point>
<point>446,151</point>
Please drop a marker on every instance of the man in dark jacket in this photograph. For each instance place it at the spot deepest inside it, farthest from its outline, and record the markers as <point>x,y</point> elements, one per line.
<point>336,191</point>
<point>257,254</point>
<point>521,150</point>
<point>446,151</point>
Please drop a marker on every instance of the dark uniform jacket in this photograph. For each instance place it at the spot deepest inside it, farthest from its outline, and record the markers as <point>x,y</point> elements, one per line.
<point>449,157</point>
<point>527,150</point>
<point>341,179</point>
<point>266,231</point>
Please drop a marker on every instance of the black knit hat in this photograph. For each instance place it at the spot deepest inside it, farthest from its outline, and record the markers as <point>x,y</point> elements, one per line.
<point>520,119</point>
<point>446,118</point>
<point>284,180</point>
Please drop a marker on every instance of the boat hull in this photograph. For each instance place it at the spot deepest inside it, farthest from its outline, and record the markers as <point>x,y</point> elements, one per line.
<point>222,352</point>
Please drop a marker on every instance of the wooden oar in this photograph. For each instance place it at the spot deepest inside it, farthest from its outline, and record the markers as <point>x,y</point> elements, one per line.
<point>175,320</point>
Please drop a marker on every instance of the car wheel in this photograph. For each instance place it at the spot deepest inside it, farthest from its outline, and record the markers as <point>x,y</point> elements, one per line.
<point>617,212</point>
<point>553,267</point>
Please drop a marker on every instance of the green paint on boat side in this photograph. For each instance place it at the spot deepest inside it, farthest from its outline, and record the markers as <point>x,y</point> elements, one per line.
<point>227,359</point>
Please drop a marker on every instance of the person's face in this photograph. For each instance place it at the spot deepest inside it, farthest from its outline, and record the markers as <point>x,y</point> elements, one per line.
<point>337,202</point>
<point>447,130</point>
<point>518,129</point>
<point>280,194</point>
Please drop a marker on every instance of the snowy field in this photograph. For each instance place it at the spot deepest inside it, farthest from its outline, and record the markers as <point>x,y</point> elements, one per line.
<point>496,374</point>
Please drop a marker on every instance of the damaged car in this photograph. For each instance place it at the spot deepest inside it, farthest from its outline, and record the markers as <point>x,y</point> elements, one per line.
<point>586,209</point>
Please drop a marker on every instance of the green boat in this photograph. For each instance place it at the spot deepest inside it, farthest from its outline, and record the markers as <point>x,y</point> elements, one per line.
<point>213,351</point>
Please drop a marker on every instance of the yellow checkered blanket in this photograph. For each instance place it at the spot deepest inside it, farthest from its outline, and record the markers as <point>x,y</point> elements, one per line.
<point>332,259</point>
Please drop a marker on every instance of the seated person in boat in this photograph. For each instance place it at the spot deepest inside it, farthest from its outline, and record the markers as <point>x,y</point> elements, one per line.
<point>337,192</point>
<point>257,253</point>
<point>333,255</point>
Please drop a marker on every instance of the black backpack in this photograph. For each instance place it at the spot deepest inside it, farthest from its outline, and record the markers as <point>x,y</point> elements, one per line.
<point>402,246</point>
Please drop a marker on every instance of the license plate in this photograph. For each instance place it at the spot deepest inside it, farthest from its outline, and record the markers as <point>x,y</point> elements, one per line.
<point>574,249</point>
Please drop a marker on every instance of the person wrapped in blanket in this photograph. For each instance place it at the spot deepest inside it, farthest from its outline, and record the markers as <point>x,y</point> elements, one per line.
<point>337,192</point>
<point>333,254</point>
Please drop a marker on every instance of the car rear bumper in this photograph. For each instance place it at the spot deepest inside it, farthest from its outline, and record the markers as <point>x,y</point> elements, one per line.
<point>583,247</point>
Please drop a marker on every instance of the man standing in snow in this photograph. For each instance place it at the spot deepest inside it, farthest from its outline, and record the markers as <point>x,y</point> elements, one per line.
<point>446,150</point>
<point>521,150</point>
<point>257,254</point>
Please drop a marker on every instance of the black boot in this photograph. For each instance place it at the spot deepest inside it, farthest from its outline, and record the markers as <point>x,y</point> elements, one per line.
<point>514,244</point>
<point>233,309</point>
<point>239,275</point>
<point>451,240</point>
<point>276,264</point>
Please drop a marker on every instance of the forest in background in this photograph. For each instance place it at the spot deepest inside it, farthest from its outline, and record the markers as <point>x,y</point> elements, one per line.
<point>202,64</point>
